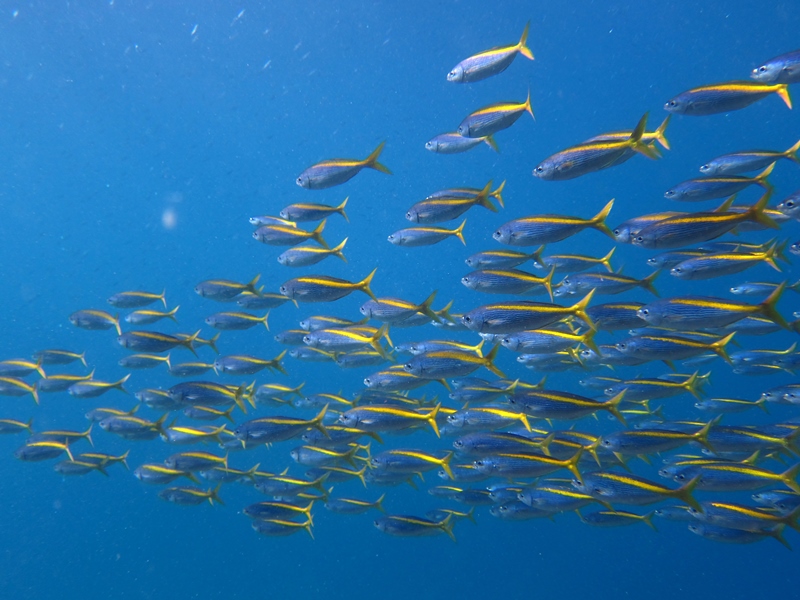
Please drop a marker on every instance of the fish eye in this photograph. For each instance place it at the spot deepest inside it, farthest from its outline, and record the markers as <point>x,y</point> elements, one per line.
<point>680,477</point>
<point>467,319</point>
<point>540,169</point>
<point>617,231</point>
<point>672,103</point>
<point>645,311</point>
<point>789,203</point>
<point>606,443</point>
<point>677,270</point>
<point>282,289</point>
<point>762,69</point>
<point>407,366</point>
<point>299,180</point>
<point>465,280</point>
<point>694,511</point>
<point>621,345</point>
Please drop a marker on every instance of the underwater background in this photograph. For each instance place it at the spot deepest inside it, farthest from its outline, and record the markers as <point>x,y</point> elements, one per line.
<point>136,141</point>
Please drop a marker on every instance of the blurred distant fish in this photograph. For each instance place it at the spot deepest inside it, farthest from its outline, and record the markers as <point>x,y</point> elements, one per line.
<point>136,299</point>
<point>224,289</point>
<point>490,62</point>
<point>709,188</point>
<point>724,97</point>
<point>493,118</point>
<point>455,143</point>
<point>337,171</point>
<point>781,69</point>
<point>95,320</point>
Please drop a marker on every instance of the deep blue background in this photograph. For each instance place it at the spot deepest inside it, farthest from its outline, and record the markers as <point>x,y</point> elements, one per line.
<point>114,112</point>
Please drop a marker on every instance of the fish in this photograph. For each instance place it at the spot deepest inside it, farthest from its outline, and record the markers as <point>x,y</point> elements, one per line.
<point>306,211</point>
<point>604,283</point>
<point>724,97</point>
<point>136,299</point>
<point>267,430</point>
<point>59,357</point>
<point>781,69</point>
<point>321,288</point>
<point>145,317</point>
<point>190,496</point>
<point>304,256</point>
<point>278,235</point>
<point>455,143</point>
<point>668,348</point>
<point>390,310</point>
<point>410,526</point>
<point>687,313</point>
<point>507,281</point>
<point>573,263</point>
<point>92,388</point>
<point>281,527</point>
<point>242,364</point>
<point>544,404</point>
<point>133,428</point>
<point>617,518</point>
<point>647,136</point>
<point>223,290</point>
<point>236,321</point>
<point>369,418</point>
<point>443,364</point>
<point>337,171</point>
<point>724,263</point>
<point>490,62</point>
<point>413,237</point>
<point>152,341</point>
<point>743,162</point>
<point>709,188</point>
<point>511,317</point>
<point>445,208</point>
<point>143,361</point>
<point>493,118</point>
<point>95,320</point>
<point>631,489</point>
<point>546,229</point>
<point>410,461</point>
<point>728,535</point>
<point>589,157</point>
<point>501,259</point>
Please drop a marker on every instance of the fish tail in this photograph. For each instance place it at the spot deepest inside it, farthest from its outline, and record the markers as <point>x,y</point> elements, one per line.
<point>659,133</point>
<point>482,198</point>
<point>213,342</point>
<point>39,368</point>
<point>119,384</point>
<point>238,399</point>
<point>777,533</point>
<point>638,132</point>
<point>35,393</point>
<point>88,435</point>
<point>579,309</point>
<point>372,160</point>
<point>769,256</point>
<point>214,495</point>
<point>447,526</point>
<point>477,348</point>
<point>489,362</point>
<point>459,232</point>
<point>756,212</point>
<point>692,385</point>
<point>316,235</point>
<point>783,91</point>
<point>761,178</point>
<point>547,282</point>
<point>795,287</point>
<point>496,194</point>
<point>527,105</point>
<point>490,141</point>
<point>316,422</point>
<point>719,347</point>
<point>227,414</point>
<point>275,363</point>
<point>445,462</point>
<point>431,418</point>
<point>791,153</point>
<point>29,425</point>
<point>363,285</point>
<point>702,435</point>
<point>647,283</point>
<point>649,150</point>
<point>425,308</point>
<point>572,465</point>
<point>340,209</point>
<point>378,504</point>
<point>159,424</point>
<point>606,260</point>
<point>265,320</point>
<point>375,341</point>
<point>163,297</point>
<point>69,452</point>
<point>124,460</point>
<point>82,357</point>
<point>789,478</point>
<point>648,518</point>
<point>536,256</point>
<point>599,220</point>
<point>251,285</point>
<point>116,324</point>
<point>171,314</point>
<point>588,340</point>
<point>524,420</point>
<point>360,475</point>
<point>768,308</point>
<point>685,493</point>
<point>612,406</point>
<point>444,313</point>
<point>189,342</point>
<point>522,48</point>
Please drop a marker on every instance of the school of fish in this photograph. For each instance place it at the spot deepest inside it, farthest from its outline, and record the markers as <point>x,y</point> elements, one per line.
<point>497,447</point>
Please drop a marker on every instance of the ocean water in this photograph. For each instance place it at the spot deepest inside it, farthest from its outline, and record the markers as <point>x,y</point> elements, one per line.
<point>137,139</point>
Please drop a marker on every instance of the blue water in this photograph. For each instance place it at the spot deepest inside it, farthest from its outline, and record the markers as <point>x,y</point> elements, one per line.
<point>117,113</point>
